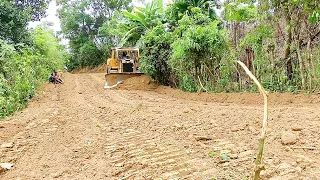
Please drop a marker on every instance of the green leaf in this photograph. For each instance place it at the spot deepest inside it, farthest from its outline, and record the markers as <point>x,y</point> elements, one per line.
<point>211,154</point>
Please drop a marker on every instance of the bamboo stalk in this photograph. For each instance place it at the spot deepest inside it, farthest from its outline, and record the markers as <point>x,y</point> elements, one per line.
<point>259,163</point>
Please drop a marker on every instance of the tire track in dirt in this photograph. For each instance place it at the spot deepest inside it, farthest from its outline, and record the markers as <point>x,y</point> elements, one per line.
<point>79,130</point>
<point>134,155</point>
<point>54,138</point>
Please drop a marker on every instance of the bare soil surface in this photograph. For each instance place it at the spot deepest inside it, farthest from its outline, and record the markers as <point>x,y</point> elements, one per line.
<point>78,130</point>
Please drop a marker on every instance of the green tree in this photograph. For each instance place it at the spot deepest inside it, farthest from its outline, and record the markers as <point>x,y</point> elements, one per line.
<point>22,71</point>
<point>156,54</point>
<point>13,23</point>
<point>81,21</point>
<point>14,18</point>
<point>198,50</point>
<point>179,8</point>
<point>35,8</point>
<point>143,19</point>
<point>240,12</point>
<point>47,45</point>
<point>112,33</point>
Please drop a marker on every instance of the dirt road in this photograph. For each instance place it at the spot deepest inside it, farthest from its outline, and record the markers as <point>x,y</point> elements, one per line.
<point>79,130</point>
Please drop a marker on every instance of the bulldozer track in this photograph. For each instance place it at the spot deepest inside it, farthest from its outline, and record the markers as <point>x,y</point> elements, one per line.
<point>79,130</point>
<point>138,156</point>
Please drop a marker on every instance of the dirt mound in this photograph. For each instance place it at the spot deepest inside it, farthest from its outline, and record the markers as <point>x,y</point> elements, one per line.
<point>241,98</point>
<point>143,82</point>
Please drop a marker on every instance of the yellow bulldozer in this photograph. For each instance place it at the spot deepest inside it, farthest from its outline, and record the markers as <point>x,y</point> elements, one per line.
<point>123,64</point>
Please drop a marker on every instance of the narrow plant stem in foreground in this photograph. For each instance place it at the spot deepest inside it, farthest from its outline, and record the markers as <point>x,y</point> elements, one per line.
<point>202,85</point>
<point>259,163</point>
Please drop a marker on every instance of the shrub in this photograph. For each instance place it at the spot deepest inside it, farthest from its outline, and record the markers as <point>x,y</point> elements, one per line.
<point>156,54</point>
<point>21,71</point>
<point>198,49</point>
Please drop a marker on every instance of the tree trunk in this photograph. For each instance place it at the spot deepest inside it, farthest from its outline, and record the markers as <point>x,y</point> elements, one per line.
<point>310,69</point>
<point>288,46</point>
<point>235,29</point>
<point>302,67</point>
<point>314,67</point>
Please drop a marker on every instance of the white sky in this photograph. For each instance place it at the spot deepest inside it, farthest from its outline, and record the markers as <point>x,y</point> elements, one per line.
<point>51,17</point>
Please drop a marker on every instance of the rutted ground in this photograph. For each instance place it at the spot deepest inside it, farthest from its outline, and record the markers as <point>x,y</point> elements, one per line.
<point>78,130</point>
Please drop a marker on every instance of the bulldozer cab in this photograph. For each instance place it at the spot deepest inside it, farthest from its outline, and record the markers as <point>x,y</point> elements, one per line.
<point>123,64</point>
<point>123,60</point>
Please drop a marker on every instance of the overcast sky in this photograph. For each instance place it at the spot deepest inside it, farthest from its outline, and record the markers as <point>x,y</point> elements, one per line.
<point>51,17</point>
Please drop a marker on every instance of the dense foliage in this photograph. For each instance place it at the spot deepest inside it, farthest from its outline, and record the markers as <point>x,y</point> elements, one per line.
<point>26,56</point>
<point>14,18</point>
<point>13,23</point>
<point>187,44</point>
<point>197,50</point>
<point>81,21</point>
<point>156,54</point>
<point>22,70</point>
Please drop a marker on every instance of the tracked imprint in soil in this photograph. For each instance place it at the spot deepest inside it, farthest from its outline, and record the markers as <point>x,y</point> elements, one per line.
<point>79,130</point>
<point>134,155</point>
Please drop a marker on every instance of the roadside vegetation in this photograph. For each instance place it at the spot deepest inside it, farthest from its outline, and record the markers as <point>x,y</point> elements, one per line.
<point>27,57</point>
<point>192,45</point>
<point>187,43</point>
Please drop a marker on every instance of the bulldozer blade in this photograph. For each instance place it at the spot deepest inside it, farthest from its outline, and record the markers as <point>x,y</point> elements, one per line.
<point>114,79</point>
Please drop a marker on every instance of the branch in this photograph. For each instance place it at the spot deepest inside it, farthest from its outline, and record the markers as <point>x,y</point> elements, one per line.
<point>312,38</point>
